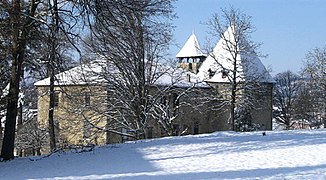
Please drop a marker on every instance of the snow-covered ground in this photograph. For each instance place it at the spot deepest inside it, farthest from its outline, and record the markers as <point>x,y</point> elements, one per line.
<point>221,155</point>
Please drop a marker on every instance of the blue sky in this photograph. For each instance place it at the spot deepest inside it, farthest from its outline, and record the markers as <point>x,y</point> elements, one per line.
<point>288,29</point>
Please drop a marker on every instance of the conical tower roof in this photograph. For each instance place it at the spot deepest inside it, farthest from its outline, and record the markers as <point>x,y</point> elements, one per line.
<point>220,62</point>
<point>191,48</point>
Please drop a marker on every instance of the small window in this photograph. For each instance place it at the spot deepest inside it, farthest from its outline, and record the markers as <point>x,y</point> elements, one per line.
<point>190,66</point>
<point>224,74</point>
<point>55,99</point>
<point>211,73</point>
<point>87,97</point>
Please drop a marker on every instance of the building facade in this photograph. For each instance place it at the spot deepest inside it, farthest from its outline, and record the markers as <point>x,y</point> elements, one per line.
<point>81,109</point>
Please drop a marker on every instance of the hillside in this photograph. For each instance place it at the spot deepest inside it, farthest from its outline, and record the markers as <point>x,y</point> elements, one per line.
<point>221,155</point>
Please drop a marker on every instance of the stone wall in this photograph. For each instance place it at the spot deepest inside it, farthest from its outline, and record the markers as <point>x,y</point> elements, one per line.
<point>79,115</point>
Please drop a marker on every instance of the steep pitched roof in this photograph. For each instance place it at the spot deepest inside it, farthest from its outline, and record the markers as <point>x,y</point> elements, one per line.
<point>191,48</point>
<point>219,62</point>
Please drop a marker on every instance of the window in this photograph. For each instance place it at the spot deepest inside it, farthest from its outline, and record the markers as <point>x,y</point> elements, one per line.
<point>87,97</point>
<point>190,66</point>
<point>55,99</point>
<point>224,73</point>
<point>211,73</point>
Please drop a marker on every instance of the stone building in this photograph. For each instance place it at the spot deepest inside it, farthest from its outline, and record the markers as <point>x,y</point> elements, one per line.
<point>81,95</point>
<point>216,69</point>
<point>81,113</point>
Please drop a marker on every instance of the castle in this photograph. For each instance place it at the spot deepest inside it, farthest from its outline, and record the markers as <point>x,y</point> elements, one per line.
<point>80,97</point>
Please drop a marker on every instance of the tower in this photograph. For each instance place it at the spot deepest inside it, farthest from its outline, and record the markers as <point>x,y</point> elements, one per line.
<point>190,56</point>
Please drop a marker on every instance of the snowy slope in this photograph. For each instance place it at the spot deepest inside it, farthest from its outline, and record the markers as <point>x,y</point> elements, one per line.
<point>222,155</point>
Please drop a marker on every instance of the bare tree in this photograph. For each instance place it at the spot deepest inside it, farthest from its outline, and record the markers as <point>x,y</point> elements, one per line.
<point>286,91</point>
<point>4,77</point>
<point>26,25</point>
<point>306,107</point>
<point>130,36</point>
<point>168,108</point>
<point>58,31</point>
<point>315,71</point>
<point>238,68</point>
<point>30,136</point>
<point>20,17</point>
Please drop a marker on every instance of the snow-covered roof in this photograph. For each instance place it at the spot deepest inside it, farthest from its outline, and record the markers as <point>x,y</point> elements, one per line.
<point>88,73</point>
<point>177,77</point>
<point>191,48</point>
<point>93,73</point>
<point>219,62</point>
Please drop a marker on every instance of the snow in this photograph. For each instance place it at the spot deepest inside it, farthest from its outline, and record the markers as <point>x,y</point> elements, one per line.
<point>177,77</point>
<point>94,73</point>
<point>5,91</point>
<point>191,48</point>
<point>221,155</point>
<point>250,66</point>
<point>84,74</point>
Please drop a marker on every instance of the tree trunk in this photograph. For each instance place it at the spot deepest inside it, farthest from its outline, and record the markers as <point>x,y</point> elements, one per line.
<point>55,24</point>
<point>1,129</point>
<point>20,125</point>
<point>7,151</point>
<point>19,37</point>
<point>234,92</point>
<point>233,111</point>
<point>51,111</point>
